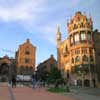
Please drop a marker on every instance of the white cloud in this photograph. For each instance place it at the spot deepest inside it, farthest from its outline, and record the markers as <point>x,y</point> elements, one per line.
<point>50,33</point>
<point>38,14</point>
<point>23,10</point>
<point>27,13</point>
<point>76,3</point>
<point>72,3</point>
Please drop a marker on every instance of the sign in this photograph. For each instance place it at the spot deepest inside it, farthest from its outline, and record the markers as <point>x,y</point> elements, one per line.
<point>23,78</point>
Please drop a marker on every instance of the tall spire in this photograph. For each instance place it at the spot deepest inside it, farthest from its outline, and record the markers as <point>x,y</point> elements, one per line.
<point>58,28</point>
<point>58,35</point>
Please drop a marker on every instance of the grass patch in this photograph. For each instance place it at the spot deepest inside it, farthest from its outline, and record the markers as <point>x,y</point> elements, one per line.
<point>57,90</point>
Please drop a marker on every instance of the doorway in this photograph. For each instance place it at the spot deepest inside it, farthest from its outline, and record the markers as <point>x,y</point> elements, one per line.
<point>4,72</point>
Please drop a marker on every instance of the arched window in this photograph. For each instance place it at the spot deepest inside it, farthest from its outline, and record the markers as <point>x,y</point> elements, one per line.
<point>72,60</point>
<point>76,37</point>
<point>82,25</point>
<point>66,48</point>
<point>91,58</point>
<point>85,58</point>
<point>27,51</point>
<point>27,60</point>
<point>89,36</point>
<point>77,51</point>
<point>71,40</point>
<point>77,59</point>
<point>75,26</point>
<point>83,36</point>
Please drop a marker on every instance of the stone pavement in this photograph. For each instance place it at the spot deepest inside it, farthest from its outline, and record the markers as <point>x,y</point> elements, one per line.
<point>4,93</point>
<point>26,93</point>
<point>86,93</point>
<point>38,94</point>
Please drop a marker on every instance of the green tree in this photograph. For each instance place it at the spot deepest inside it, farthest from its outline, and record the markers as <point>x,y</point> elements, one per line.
<point>44,75</point>
<point>55,77</point>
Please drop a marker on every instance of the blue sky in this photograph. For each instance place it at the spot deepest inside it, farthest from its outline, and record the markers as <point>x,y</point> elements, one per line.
<point>37,20</point>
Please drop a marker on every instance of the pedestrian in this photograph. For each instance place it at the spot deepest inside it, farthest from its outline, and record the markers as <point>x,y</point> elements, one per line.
<point>33,81</point>
<point>13,82</point>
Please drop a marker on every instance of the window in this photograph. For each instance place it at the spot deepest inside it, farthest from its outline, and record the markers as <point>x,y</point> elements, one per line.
<point>72,52</point>
<point>77,59</point>
<point>82,25</point>
<point>76,36</point>
<point>91,58</point>
<point>77,51</point>
<point>75,26</point>
<point>89,36</point>
<point>66,48</point>
<point>84,51</point>
<point>72,60</point>
<point>71,39</point>
<point>27,52</point>
<point>83,36</point>
<point>27,60</point>
<point>85,58</point>
<point>91,51</point>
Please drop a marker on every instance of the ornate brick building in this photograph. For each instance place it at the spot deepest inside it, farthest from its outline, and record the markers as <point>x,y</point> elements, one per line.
<point>76,54</point>
<point>26,57</point>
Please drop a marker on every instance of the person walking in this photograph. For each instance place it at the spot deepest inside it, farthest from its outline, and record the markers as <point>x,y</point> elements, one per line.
<point>33,81</point>
<point>13,82</point>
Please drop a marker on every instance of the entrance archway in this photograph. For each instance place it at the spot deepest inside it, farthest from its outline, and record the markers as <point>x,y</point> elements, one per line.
<point>4,72</point>
<point>79,82</point>
<point>86,83</point>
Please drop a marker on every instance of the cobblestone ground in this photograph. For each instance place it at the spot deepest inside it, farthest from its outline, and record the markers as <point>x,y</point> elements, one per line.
<point>86,93</point>
<point>26,93</point>
<point>38,94</point>
<point>4,93</point>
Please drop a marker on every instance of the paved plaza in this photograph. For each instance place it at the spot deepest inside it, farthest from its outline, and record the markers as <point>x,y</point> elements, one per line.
<point>27,93</point>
